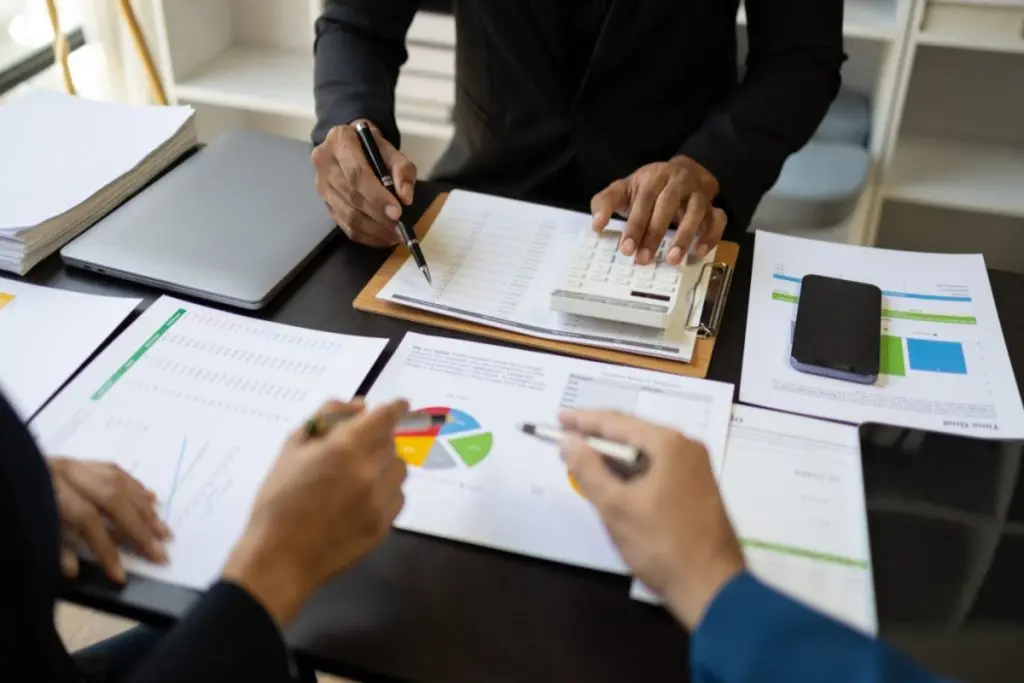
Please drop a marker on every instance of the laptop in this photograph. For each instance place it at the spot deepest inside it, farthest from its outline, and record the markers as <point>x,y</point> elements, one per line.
<point>231,224</point>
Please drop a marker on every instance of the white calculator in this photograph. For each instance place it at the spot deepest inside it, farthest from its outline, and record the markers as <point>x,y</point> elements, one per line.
<point>601,282</point>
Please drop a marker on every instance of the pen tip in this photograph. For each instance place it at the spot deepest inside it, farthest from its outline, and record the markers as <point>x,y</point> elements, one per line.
<point>426,274</point>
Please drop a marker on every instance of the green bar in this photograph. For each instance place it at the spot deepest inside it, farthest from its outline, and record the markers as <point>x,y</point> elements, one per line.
<point>137,355</point>
<point>890,357</point>
<point>802,552</point>
<point>901,315</point>
<point>930,317</point>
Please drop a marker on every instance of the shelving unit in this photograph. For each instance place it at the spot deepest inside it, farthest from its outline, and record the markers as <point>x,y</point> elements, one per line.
<point>943,78</point>
<point>953,166</point>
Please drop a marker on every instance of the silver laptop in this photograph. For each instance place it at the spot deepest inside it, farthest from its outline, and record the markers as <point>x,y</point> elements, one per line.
<point>231,224</point>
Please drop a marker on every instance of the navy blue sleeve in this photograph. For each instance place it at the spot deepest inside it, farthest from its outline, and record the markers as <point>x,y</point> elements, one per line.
<point>752,633</point>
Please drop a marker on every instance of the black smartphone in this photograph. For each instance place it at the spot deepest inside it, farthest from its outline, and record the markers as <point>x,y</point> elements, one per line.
<point>838,329</point>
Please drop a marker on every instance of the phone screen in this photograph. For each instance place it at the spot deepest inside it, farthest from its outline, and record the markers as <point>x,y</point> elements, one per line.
<point>838,328</point>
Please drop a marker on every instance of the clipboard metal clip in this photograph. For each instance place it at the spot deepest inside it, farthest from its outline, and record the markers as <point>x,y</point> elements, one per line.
<point>714,282</point>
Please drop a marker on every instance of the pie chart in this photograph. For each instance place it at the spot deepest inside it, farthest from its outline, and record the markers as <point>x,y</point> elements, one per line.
<point>460,442</point>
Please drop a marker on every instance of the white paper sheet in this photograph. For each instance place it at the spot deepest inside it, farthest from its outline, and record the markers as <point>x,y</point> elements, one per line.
<point>45,336</point>
<point>195,403</point>
<point>794,490</point>
<point>480,480</point>
<point>496,261</point>
<point>59,150</point>
<point>944,366</point>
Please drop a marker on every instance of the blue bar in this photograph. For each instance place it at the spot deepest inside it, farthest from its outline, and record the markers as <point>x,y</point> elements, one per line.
<point>900,295</point>
<point>931,355</point>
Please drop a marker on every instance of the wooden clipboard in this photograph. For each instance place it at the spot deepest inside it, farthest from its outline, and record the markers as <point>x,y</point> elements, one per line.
<point>697,367</point>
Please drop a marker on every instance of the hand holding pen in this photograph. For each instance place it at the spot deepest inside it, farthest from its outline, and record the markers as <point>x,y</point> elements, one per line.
<point>350,188</point>
<point>383,173</point>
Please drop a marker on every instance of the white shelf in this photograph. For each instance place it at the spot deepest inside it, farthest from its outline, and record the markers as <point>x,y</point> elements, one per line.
<point>866,19</point>
<point>281,82</point>
<point>958,175</point>
<point>258,79</point>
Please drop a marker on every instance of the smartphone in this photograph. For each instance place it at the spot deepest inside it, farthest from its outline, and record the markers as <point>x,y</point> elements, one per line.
<point>838,329</point>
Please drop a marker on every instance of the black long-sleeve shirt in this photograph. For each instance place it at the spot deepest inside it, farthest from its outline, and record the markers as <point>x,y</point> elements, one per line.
<point>555,99</point>
<point>228,636</point>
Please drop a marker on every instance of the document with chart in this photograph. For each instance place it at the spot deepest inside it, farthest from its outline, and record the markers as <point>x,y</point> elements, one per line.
<point>195,403</point>
<point>794,490</point>
<point>496,261</point>
<point>944,364</point>
<point>46,335</point>
<point>478,479</point>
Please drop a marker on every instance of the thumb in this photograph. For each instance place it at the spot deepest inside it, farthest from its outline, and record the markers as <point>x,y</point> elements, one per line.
<point>587,467</point>
<point>612,199</point>
<point>402,170</point>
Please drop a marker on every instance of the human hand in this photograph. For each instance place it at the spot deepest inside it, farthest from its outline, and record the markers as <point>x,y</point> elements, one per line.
<point>679,190</point>
<point>326,502</point>
<point>100,504</point>
<point>356,200</point>
<point>669,523</point>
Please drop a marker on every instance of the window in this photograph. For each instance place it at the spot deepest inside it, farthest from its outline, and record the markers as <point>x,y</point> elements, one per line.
<point>26,38</point>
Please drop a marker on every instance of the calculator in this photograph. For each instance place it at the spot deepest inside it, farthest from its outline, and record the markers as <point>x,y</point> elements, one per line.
<point>601,282</point>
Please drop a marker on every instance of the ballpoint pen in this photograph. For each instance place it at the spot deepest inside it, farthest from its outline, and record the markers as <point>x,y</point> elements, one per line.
<point>321,424</point>
<point>373,155</point>
<point>622,459</point>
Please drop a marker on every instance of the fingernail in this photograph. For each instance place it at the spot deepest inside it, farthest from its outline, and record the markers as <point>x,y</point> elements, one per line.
<point>118,574</point>
<point>599,221</point>
<point>701,251</point>
<point>628,246</point>
<point>158,553</point>
<point>675,255</point>
<point>393,212</point>
<point>644,256</point>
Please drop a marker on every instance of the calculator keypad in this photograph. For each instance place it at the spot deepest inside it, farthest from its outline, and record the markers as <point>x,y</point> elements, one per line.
<point>599,261</point>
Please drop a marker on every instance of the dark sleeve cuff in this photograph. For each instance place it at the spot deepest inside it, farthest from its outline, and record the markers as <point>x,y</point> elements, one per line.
<point>227,636</point>
<point>725,159</point>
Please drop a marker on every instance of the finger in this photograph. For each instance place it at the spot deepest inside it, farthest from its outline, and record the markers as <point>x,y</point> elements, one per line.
<point>328,408</point>
<point>358,178</point>
<point>68,563</point>
<point>715,223</point>
<point>403,171</point>
<point>613,425</point>
<point>131,524</point>
<point>392,508</point>
<point>378,425</point>
<point>89,525</point>
<point>640,217</point>
<point>665,209</point>
<point>348,192</point>
<point>145,503</point>
<point>393,474</point>
<point>588,469</point>
<point>696,209</point>
<point>358,226</point>
<point>611,200</point>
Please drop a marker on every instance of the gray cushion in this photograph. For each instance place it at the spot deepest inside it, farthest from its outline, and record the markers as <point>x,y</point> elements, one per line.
<point>819,187</point>
<point>848,120</point>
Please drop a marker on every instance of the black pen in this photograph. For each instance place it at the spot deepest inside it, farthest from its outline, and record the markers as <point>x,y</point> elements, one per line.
<point>623,459</point>
<point>373,155</point>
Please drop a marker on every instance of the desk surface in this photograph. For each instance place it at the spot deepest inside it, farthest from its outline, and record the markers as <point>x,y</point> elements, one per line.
<point>420,609</point>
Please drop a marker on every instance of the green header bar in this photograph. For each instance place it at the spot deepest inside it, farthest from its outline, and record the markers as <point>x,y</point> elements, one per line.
<point>138,354</point>
<point>898,315</point>
<point>803,552</point>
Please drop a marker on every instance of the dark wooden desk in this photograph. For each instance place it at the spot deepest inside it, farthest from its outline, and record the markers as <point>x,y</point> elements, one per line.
<point>424,610</point>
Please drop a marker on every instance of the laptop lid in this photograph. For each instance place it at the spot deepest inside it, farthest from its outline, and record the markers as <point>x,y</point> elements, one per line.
<point>231,224</point>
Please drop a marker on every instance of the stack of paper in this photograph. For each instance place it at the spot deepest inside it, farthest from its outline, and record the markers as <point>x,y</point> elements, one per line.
<point>69,161</point>
<point>46,335</point>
